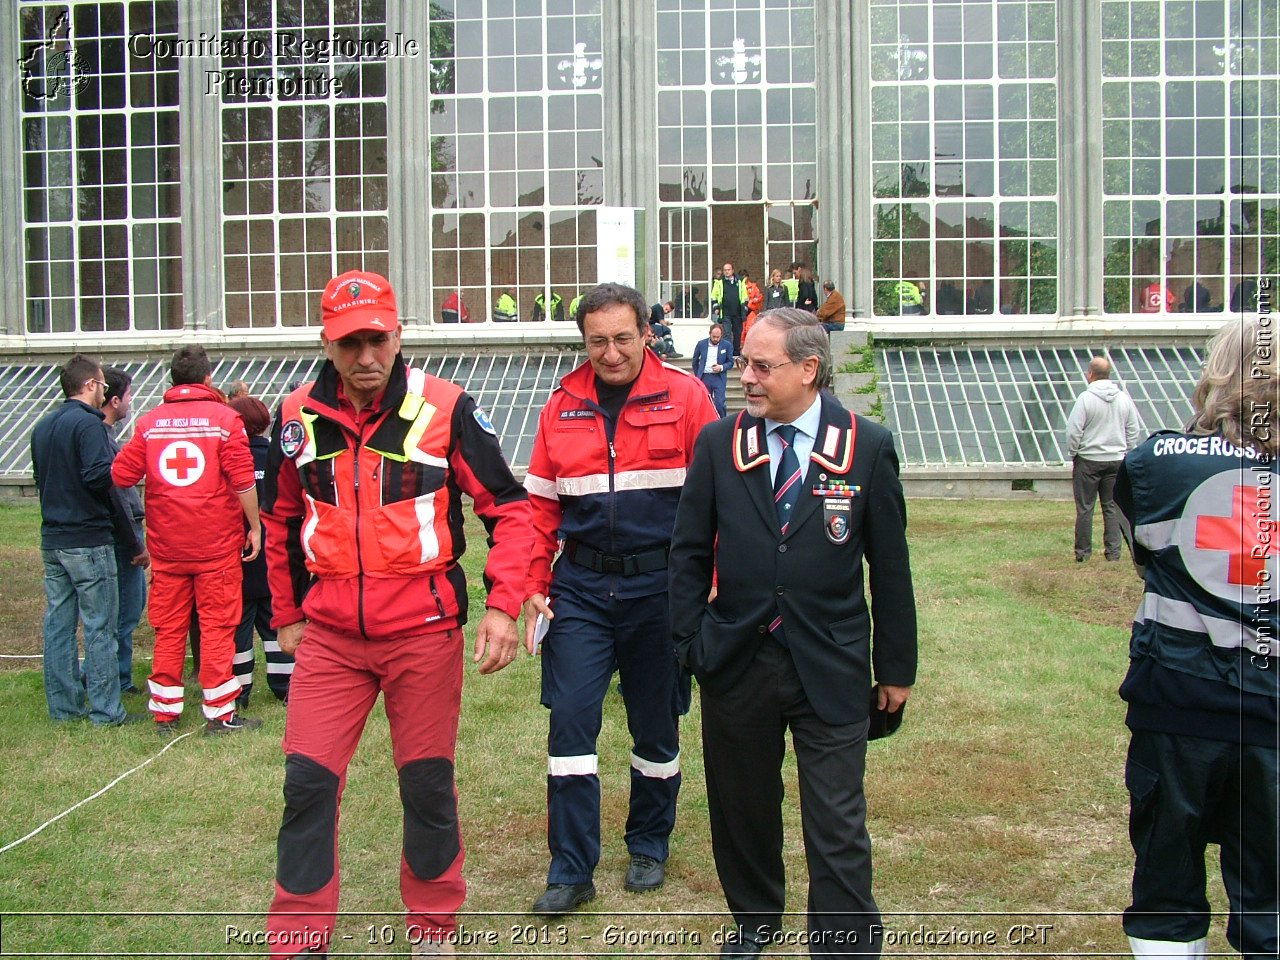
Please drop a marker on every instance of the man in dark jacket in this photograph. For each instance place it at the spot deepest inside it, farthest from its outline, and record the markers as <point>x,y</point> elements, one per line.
<point>661,341</point>
<point>729,296</point>
<point>255,592</point>
<point>132,558</point>
<point>796,493</point>
<point>71,455</point>
<point>712,358</point>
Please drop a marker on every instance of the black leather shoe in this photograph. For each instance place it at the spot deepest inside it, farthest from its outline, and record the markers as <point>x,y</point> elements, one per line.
<point>743,944</point>
<point>644,874</point>
<point>562,897</point>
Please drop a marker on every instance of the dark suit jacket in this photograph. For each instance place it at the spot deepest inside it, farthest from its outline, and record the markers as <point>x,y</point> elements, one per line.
<point>724,357</point>
<point>726,517</point>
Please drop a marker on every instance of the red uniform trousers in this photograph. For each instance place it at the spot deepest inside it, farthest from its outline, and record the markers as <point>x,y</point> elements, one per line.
<point>336,679</point>
<point>214,587</point>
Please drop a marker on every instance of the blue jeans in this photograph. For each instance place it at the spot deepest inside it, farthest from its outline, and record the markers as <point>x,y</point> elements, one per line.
<point>132,589</point>
<point>80,583</point>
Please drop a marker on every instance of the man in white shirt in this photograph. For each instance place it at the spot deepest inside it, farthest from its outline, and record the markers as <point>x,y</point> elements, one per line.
<point>783,504</point>
<point>1103,426</point>
<point>712,358</point>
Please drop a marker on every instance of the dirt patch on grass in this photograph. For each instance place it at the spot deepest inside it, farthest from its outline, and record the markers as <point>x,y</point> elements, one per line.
<point>1096,592</point>
<point>22,605</point>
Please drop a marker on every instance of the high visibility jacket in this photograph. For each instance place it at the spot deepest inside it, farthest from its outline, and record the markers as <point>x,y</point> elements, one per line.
<point>364,514</point>
<point>1203,649</point>
<point>717,293</point>
<point>506,309</point>
<point>194,454</point>
<point>909,294</point>
<point>540,307</point>
<point>573,307</point>
<point>613,486</point>
<point>793,290</point>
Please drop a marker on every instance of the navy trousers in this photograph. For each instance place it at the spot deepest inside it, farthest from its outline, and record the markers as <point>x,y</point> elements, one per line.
<point>715,384</point>
<point>1184,794</point>
<point>590,637</point>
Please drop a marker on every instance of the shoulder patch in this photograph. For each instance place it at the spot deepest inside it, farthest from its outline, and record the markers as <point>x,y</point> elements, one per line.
<point>293,438</point>
<point>485,423</point>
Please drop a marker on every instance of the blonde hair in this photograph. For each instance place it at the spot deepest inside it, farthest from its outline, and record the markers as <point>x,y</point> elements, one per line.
<point>1238,393</point>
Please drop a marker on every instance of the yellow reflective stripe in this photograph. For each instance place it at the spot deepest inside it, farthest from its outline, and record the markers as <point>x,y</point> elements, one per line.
<point>309,453</point>
<point>418,428</point>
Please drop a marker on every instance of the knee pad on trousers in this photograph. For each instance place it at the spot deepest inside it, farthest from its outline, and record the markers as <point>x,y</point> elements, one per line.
<point>431,840</point>
<point>304,852</point>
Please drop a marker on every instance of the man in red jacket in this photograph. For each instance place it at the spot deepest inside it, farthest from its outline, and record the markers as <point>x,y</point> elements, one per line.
<point>363,508</point>
<point>604,478</point>
<point>194,454</point>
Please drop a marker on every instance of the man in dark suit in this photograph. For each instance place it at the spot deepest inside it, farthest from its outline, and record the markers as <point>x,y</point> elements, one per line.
<point>797,492</point>
<point>712,358</point>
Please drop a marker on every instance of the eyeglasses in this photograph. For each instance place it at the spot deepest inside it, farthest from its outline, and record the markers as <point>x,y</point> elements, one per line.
<point>759,367</point>
<point>101,383</point>
<point>622,341</point>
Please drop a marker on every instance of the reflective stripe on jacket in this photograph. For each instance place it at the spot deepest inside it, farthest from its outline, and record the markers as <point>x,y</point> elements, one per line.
<point>1202,512</point>
<point>194,453</point>
<point>618,497</point>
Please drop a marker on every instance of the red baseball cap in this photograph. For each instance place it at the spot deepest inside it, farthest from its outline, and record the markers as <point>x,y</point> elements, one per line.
<point>356,301</point>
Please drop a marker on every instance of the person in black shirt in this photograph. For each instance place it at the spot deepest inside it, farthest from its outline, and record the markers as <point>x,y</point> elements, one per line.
<point>255,611</point>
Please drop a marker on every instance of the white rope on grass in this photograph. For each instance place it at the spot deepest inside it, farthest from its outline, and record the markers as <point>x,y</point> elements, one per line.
<point>9,846</point>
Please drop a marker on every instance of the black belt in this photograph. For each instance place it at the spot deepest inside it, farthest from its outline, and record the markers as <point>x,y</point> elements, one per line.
<point>628,565</point>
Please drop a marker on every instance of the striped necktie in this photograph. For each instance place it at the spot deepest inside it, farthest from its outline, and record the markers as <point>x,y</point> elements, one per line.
<point>786,483</point>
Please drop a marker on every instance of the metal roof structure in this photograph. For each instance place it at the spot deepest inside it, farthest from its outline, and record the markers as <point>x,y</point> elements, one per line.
<point>1008,405</point>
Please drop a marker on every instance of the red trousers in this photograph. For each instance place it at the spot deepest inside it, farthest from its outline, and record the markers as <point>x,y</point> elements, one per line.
<point>214,588</point>
<point>336,679</point>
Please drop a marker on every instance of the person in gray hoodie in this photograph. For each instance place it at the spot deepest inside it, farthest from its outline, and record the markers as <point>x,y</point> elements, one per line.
<point>1103,426</point>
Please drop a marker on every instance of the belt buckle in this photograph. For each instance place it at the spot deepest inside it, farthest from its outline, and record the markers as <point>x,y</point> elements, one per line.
<point>611,564</point>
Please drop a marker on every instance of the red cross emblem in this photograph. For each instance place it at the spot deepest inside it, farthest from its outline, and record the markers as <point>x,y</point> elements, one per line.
<point>181,463</point>
<point>1238,536</point>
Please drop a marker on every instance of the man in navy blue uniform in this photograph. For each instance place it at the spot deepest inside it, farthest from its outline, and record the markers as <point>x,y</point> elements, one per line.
<point>1201,687</point>
<point>605,475</point>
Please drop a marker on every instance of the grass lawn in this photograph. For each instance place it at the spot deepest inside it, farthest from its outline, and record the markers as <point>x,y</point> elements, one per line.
<point>1000,803</point>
